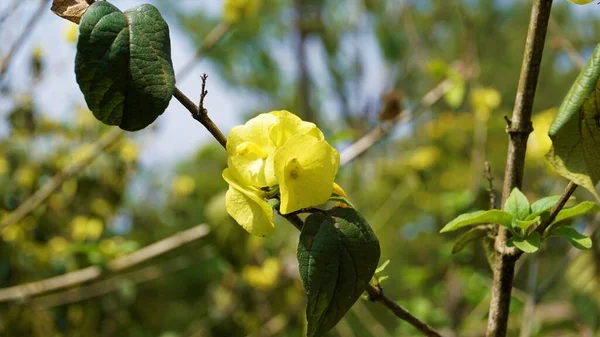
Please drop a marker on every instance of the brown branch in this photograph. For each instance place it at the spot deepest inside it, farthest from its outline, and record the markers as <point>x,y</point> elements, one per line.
<point>213,37</point>
<point>109,285</point>
<point>200,116</point>
<point>147,253</point>
<point>518,130</point>
<point>375,135</point>
<point>49,187</point>
<point>490,179</point>
<point>376,295</point>
<point>35,18</point>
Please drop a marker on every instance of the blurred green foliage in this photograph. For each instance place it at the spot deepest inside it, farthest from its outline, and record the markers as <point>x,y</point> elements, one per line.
<point>407,186</point>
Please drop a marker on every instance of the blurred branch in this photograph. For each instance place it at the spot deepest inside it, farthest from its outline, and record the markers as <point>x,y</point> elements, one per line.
<point>109,285</point>
<point>49,187</point>
<point>35,18</point>
<point>213,37</point>
<point>21,292</point>
<point>566,44</point>
<point>375,135</point>
<point>518,130</point>
<point>10,10</point>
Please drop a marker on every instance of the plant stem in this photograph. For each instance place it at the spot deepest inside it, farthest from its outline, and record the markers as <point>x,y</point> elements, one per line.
<point>518,130</point>
<point>201,116</point>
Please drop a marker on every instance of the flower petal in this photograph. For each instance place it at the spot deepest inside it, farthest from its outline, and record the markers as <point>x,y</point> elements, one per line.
<point>248,207</point>
<point>305,168</point>
<point>289,125</point>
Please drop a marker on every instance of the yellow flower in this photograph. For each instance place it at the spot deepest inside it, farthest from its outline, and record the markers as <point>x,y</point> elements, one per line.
<point>71,32</point>
<point>265,277</point>
<point>581,2</point>
<point>248,207</point>
<point>305,168</point>
<point>277,150</point>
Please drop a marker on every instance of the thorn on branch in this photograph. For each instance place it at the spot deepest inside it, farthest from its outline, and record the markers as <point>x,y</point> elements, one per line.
<point>203,94</point>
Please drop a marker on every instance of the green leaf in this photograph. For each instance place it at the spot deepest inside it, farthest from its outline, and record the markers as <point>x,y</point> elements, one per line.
<point>517,204</point>
<point>577,210</point>
<point>468,237</point>
<point>543,205</point>
<point>523,225</point>
<point>494,216</point>
<point>529,244</point>
<point>338,254</point>
<point>576,239</point>
<point>123,64</point>
<point>575,132</point>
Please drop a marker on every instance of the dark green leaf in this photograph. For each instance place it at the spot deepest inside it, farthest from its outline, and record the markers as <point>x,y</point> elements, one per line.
<point>529,244</point>
<point>494,216</point>
<point>575,132</point>
<point>338,254</point>
<point>468,237</point>
<point>577,239</point>
<point>517,204</point>
<point>123,64</point>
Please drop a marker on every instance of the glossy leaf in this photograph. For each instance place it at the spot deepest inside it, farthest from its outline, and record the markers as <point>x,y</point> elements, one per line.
<point>575,132</point>
<point>578,240</point>
<point>517,204</point>
<point>338,254</point>
<point>494,216</point>
<point>123,64</point>
<point>523,225</point>
<point>580,209</point>
<point>543,205</point>
<point>529,244</point>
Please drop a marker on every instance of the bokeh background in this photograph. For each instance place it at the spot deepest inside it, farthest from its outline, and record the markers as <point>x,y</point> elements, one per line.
<point>349,66</point>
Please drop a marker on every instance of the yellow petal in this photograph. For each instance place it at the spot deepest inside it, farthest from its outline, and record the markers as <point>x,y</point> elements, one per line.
<point>306,169</point>
<point>248,207</point>
<point>289,125</point>
<point>248,146</point>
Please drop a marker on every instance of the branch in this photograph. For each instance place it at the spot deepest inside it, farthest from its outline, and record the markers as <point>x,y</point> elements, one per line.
<point>376,295</point>
<point>35,18</point>
<point>149,252</point>
<point>109,285</point>
<point>213,37</point>
<point>375,135</point>
<point>201,116</point>
<point>49,187</point>
<point>518,130</point>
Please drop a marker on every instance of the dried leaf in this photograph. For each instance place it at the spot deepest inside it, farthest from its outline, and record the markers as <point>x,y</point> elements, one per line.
<point>71,10</point>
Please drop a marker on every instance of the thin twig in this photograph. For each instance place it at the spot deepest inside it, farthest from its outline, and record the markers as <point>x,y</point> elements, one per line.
<point>564,198</point>
<point>35,18</point>
<point>566,44</point>
<point>49,187</point>
<point>201,116</point>
<point>203,95</point>
<point>490,179</point>
<point>213,37</point>
<point>519,129</point>
<point>24,291</point>
<point>376,295</point>
<point>375,135</point>
<point>109,285</point>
